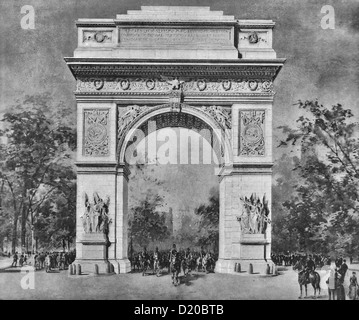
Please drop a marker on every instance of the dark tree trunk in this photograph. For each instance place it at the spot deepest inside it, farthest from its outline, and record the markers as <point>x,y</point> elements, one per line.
<point>14,235</point>
<point>23,228</point>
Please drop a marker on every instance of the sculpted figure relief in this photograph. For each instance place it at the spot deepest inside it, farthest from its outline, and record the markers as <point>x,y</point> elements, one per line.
<point>254,218</point>
<point>95,218</point>
<point>219,114</point>
<point>131,114</point>
<point>174,82</point>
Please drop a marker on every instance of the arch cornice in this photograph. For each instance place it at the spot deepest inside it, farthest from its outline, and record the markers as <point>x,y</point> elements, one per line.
<point>235,68</point>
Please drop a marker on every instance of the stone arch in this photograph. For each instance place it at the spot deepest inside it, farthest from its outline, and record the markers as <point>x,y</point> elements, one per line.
<point>112,66</point>
<point>220,138</point>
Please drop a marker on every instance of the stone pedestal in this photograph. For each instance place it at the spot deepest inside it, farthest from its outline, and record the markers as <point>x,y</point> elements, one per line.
<point>93,252</point>
<point>251,249</point>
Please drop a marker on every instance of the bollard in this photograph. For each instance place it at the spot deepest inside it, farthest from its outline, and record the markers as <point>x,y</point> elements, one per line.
<point>112,268</point>
<point>108,267</point>
<point>78,269</point>
<point>235,267</point>
<point>96,270</point>
<point>268,269</point>
<point>275,270</point>
<point>239,267</point>
<point>73,269</point>
<point>250,269</point>
<point>69,271</point>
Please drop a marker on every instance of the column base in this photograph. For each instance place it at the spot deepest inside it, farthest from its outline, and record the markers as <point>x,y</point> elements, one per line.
<point>228,265</point>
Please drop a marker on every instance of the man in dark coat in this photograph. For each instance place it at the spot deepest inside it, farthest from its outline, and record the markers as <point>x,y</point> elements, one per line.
<point>310,266</point>
<point>343,269</point>
<point>15,257</point>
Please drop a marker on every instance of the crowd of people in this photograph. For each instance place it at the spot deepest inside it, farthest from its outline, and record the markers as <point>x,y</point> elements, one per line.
<point>291,258</point>
<point>335,281</point>
<point>44,260</point>
<point>160,259</point>
<point>338,270</point>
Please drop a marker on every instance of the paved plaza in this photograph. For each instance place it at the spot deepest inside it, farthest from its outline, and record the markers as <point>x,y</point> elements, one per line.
<point>58,285</point>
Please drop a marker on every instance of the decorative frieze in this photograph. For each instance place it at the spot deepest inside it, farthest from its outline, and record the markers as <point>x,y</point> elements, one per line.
<point>160,86</point>
<point>96,133</point>
<point>251,133</point>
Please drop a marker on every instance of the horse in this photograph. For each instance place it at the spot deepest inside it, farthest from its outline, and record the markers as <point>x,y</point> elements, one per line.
<point>188,264</point>
<point>144,263</point>
<point>208,263</point>
<point>175,269</point>
<point>303,280</point>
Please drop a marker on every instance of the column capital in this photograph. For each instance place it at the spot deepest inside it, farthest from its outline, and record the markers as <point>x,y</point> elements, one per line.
<point>102,168</point>
<point>244,168</point>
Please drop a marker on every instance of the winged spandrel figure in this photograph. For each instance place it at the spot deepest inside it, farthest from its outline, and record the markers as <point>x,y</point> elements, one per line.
<point>176,83</point>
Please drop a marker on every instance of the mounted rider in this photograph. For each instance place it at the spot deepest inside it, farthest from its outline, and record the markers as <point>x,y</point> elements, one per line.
<point>188,254</point>
<point>309,267</point>
<point>156,255</point>
<point>202,253</point>
<point>173,252</point>
<point>144,254</point>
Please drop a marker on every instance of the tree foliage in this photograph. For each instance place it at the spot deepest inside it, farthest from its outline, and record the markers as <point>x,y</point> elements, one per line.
<point>208,228</point>
<point>147,224</point>
<point>36,159</point>
<point>323,211</point>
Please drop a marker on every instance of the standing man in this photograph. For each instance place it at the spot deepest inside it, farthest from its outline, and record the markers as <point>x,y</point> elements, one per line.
<point>332,281</point>
<point>156,260</point>
<point>15,257</point>
<point>203,252</point>
<point>173,251</point>
<point>343,269</point>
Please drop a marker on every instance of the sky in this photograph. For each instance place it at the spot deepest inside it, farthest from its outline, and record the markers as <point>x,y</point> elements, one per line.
<point>321,63</point>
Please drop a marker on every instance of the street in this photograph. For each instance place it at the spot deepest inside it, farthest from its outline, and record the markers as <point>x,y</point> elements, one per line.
<point>58,285</point>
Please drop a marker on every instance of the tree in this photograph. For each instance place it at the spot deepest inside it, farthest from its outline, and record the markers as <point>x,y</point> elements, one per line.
<point>324,210</point>
<point>40,140</point>
<point>284,238</point>
<point>147,224</point>
<point>208,227</point>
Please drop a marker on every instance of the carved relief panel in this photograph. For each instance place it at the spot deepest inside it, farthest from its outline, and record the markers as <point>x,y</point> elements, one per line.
<point>251,133</point>
<point>96,133</point>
